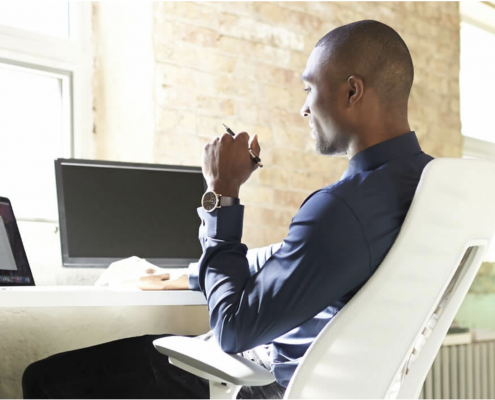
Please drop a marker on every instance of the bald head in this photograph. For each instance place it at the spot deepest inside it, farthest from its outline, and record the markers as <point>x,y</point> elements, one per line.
<point>376,53</point>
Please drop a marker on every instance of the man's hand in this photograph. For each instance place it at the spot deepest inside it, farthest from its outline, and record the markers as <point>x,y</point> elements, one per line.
<point>227,163</point>
<point>163,282</point>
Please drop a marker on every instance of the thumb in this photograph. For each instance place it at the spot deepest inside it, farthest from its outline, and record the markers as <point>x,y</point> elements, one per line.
<point>254,145</point>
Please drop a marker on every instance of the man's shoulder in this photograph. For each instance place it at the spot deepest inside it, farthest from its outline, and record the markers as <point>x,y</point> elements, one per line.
<point>394,176</point>
<point>329,195</point>
<point>387,182</point>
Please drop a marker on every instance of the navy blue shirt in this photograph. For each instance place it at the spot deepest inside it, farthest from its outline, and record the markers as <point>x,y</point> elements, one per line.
<point>285,294</point>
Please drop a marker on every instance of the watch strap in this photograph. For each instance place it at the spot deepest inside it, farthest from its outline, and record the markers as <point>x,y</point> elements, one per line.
<point>228,201</point>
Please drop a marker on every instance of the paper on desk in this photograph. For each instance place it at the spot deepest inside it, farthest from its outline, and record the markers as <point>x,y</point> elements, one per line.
<point>126,272</point>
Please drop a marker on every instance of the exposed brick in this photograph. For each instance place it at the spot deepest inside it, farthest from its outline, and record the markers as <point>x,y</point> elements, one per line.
<point>187,121</point>
<point>270,12</point>
<point>256,31</point>
<point>235,46</point>
<point>276,97</point>
<point>270,175</point>
<point>287,120</point>
<point>188,54</point>
<point>191,12</point>
<point>176,31</point>
<point>289,159</point>
<point>208,127</point>
<point>317,163</point>
<point>173,97</point>
<point>167,119</point>
<point>244,8</point>
<point>272,55</point>
<point>264,133</point>
<point>257,195</point>
<point>277,76</point>
<point>306,181</point>
<point>246,112</point>
<point>298,60</point>
<point>167,142</point>
<point>240,63</point>
<point>214,106</point>
<point>268,216</point>
<point>291,139</point>
<point>290,199</point>
<point>176,121</point>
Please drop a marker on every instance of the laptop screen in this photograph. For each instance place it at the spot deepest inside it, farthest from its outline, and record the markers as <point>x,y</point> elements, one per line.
<point>14,266</point>
<point>113,210</point>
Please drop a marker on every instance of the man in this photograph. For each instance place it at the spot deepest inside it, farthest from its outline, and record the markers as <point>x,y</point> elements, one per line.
<point>358,79</point>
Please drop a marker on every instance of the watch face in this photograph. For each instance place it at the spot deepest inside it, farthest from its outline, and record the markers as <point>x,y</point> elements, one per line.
<point>209,201</point>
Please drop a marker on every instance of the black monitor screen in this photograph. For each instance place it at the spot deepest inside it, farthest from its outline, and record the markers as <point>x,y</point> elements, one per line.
<point>109,211</point>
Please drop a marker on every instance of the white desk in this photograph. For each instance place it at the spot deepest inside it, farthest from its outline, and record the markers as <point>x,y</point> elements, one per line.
<point>35,324</point>
<point>26,297</point>
<point>38,323</point>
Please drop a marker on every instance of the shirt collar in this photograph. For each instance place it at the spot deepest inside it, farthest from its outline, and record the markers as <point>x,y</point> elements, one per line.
<point>381,153</point>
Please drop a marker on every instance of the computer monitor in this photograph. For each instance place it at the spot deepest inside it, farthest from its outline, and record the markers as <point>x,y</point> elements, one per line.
<point>109,211</point>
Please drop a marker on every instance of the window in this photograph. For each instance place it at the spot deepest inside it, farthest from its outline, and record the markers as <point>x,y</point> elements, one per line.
<point>477,65</point>
<point>477,36</point>
<point>46,17</point>
<point>36,129</point>
<point>45,101</point>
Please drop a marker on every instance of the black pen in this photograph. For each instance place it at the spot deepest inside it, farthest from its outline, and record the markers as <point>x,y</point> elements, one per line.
<point>254,157</point>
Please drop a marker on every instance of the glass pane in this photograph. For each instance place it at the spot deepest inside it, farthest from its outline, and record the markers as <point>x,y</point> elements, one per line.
<point>47,17</point>
<point>476,83</point>
<point>31,133</point>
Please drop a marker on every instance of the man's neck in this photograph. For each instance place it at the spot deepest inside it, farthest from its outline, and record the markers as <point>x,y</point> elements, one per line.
<point>373,136</point>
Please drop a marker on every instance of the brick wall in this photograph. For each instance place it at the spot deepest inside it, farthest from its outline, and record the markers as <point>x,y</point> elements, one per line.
<point>240,63</point>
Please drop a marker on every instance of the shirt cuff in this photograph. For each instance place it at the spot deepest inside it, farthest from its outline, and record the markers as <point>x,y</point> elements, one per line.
<point>223,223</point>
<point>193,273</point>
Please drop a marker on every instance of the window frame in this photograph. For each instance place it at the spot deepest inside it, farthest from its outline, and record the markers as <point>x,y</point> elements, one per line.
<point>70,56</point>
<point>481,15</point>
<point>65,78</point>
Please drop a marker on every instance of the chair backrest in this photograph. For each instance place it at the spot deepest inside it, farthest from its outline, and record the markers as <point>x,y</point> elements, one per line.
<point>384,341</point>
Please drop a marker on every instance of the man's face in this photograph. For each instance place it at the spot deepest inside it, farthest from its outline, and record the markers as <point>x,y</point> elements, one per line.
<point>325,105</point>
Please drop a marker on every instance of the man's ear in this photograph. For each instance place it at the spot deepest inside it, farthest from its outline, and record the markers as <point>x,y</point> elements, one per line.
<point>355,87</point>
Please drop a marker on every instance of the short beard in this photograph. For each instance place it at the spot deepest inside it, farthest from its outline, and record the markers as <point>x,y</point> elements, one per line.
<point>336,147</point>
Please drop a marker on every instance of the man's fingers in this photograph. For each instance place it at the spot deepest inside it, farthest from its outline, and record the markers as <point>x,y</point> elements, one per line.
<point>153,282</point>
<point>163,282</point>
<point>254,145</point>
<point>181,283</point>
<point>242,136</point>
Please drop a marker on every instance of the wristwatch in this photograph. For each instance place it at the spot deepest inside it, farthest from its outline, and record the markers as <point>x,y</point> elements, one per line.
<point>211,201</point>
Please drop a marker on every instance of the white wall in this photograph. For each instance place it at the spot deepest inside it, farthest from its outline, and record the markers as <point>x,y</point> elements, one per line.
<point>123,81</point>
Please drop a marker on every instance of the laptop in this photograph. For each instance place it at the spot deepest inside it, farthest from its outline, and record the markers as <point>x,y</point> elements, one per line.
<point>14,265</point>
<point>15,272</point>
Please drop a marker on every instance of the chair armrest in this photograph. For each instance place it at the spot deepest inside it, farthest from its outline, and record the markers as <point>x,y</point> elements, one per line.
<point>207,360</point>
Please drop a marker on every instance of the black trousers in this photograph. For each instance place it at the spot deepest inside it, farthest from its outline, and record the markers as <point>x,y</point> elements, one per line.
<point>126,368</point>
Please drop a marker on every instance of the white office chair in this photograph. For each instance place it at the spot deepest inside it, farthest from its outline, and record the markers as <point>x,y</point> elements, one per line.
<point>383,342</point>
